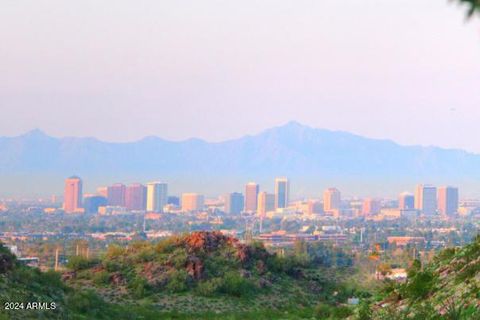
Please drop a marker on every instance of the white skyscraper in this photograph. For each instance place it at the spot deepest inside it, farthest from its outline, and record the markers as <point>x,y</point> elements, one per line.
<point>157,196</point>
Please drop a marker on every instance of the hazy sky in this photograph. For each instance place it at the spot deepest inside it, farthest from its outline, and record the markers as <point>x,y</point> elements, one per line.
<point>407,70</point>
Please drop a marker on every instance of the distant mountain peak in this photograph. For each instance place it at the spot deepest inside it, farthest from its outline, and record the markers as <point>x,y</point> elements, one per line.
<point>34,134</point>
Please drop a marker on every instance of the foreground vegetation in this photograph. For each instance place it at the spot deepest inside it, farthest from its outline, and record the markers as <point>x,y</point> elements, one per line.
<point>207,275</point>
<point>447,288</point>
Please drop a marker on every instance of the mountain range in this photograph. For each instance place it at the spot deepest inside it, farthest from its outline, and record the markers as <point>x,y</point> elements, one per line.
<point>37,163</point>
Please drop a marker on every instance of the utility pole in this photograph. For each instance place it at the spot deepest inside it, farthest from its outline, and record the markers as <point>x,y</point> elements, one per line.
<point>56,258</point>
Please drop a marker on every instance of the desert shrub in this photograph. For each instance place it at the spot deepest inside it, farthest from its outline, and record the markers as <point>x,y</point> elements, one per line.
<point>341,312</point>
<point>323,311</point>
<point>420,285</point>
<point>138,287</point>
<point>111,266</point>
<point>87,303</point>
<point>236,285</point>
<point>178,258</point>
<point>145,254</point>
<point>101,278</point>
<point>177,281</point>
<point>114,252</point>
<point>209,288</point>
<point>166,246</point>
<point>364,312</point>
<point>78,263</point>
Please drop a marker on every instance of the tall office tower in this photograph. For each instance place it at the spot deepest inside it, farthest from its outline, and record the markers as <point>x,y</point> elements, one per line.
<point>92,202</point>
<point>251,196</point>
<point>332,199</point>
<point>157,196</point>
<point>136,197</point>
<point>116,195</point>
<point>282,192</point>
<point>234,203</point>
<point>266,203</point>
<point>406,201</point>
<point>192,202</point>
<point>73,195</point>
<point>447,200</point>
<point>370,206</point>
<point>426,199</point>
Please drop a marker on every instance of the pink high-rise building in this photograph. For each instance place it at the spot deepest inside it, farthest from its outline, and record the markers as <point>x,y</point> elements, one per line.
<point>73,195</point>
<point>116,195</point>
<point>251,196</point>
<point>447,200</point>
<point>136,197</point>
<point>332,200</point>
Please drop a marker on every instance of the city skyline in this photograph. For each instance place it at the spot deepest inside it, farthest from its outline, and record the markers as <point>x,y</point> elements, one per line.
<point>427,199</point>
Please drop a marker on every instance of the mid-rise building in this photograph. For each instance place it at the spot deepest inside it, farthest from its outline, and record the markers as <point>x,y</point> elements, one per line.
<point>116,195</point>
<point>370,207</point>
<point>157,196</point>
<point>136,197</point>
<point>282,193</point>
<point>92,202</point>
<point>102,191</point>
<point>73,195</point>
<point>406,201</point>
<point>192,202</point>
<point>251,196</point>
<point>426,199</point>
<point>266,203</point>
<point>173,200</point>
<point>234,203</point>
<point>447,200</point>
<point>332,200</point>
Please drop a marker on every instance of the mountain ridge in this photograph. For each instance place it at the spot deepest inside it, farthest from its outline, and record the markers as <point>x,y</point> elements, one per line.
<point>300,152</point>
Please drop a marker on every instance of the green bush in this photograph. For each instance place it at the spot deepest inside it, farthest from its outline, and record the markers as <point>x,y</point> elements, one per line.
<point>177,281</point>
<point>101,278</point>
<point>420,285</point>
<point>236,285</point>
<point>323,311</point>
<point>210,287</point>
<point>341,312</point>
<point>138,287</point>
<point>77,263</point>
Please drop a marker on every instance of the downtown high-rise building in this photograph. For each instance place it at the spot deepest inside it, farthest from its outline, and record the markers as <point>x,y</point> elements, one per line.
<point>406,201</point>
<point>136,197</point>
<point>251,196</point>
<point>282,193</point>
<point>266,203</point>
<point>332,200</point>
<point>426,199</point>
<point>447,200</point>
<point>192,202</point>
<point>157,196</point>
<point>73,195</point>
<point>116,195</point>
<point>234,203</point>
<point>370,207</point>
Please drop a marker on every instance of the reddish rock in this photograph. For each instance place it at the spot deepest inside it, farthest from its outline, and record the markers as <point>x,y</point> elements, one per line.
<point>118,279</point>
